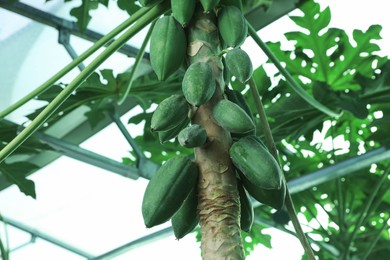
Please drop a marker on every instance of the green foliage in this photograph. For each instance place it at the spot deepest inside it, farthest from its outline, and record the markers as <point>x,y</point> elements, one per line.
<point>344,73</point>
<point>254,237</point>
<point>82,12</point>
<point>16,173</point>
<point>344,76</point>
<point>15,169</point>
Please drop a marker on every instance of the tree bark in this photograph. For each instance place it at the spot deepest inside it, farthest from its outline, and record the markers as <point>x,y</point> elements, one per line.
<point>218,203</point>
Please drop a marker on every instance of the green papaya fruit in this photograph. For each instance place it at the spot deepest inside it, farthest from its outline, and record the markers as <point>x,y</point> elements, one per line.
<point>274,197</point>
<point>168,45</point>
<point>167,135</point>
<point>227,76</point>
<point>183,10</point>
<point>256,163</point>
<point>198,83</point>
<point>246,210</point>
<point>239,64</point>
<point>186,218</point>
<point>232,26</point>
<point>237,98</point>
<point>192,136</point>
<point>167,190</point>
<point>209,5</point>
<point>232,117</point>
<point>169,113</point>
<point>236,3</point>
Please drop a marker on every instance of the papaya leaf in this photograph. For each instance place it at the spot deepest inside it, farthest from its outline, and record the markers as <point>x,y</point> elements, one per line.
<point>376,90</point>
<point>16,173</point>
<point>254,238</point>
<point>81,13</point>
<point>129,6</point>
<point>333,58</point>
<point>9,130</point>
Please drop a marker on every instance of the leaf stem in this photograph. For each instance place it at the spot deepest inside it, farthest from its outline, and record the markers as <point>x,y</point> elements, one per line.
<point>154,13</point>
<point>364,213</point>
<point>340,199</point>
<point>101,42</point>
<point>137,62</point>
<point>272,147</point>
<point>373,243</point>
<point>293,84</point>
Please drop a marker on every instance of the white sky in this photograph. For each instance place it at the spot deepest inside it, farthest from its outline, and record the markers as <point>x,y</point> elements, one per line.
<point>98,211</point>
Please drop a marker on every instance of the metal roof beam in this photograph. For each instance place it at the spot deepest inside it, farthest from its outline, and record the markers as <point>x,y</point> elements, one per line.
<point>86,156</point>
<point>339,169</point>
<point>163,233</point>
<point>259,17</point>
<point>62,24</point>
<point>48,238</point>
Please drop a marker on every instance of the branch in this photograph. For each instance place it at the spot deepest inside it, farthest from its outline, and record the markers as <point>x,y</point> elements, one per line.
<point>68,90</point>
<point>101,42</point>
<point>364,213</point>
<point>293,84</point>
<point>137,62</point>
<point>373,243</point>
<point>271,146</point>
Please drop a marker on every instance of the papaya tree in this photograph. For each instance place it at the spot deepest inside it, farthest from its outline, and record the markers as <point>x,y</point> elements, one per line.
<point>227,150</point>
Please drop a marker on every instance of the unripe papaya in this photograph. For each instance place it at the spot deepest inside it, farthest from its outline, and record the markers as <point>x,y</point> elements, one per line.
<point>198,83</point>
<point>274,198</point>
<point>239,64</point>
<point>169,113</point>
<point>209,5</point>
<point>183,10</point>
<point>232,117</point>
<point>192,136</point>
<point>167,190</point>
<point>237,98</point>
<point>236,3</point>
<point>247,214</point>
<point>167,135</point>
<point>232,26</point>
<point>168,46</point>
<point>256,163</point>
<point>186,218</point>
<point>149,2</point>
<point>227,76</point>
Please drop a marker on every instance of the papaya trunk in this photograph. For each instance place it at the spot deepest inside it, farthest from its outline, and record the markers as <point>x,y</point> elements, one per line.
<point>218,201</point>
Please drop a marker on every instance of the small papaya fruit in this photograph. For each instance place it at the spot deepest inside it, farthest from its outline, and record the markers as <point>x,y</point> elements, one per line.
<point>168,46</point>
<point>198,83</point>
<point>237,98</point>
<point>209,5</point>
<point>232,117</point>
<point>232,25</point>
<point>167,190</point>
<point>192,136</point>
<point>227,76</point>
<point>236,3</point>
<point>239,64</point>
<point>183,10</point>
<point>167,135</point>
<point>169,113</point>
<point>257,164</point>
<point>246,210</point>
<point>186,218</point>
<point>274,197</point>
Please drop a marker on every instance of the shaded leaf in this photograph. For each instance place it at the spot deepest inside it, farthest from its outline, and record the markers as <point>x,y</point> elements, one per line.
<point>129,6</point>
<point>16,173</point>
<point>82,12</point>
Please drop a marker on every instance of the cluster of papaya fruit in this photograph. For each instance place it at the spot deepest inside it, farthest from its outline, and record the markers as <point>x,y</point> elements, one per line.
<point>172,192</point>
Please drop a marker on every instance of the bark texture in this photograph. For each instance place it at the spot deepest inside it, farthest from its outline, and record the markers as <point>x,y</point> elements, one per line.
<point>219,204</point>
